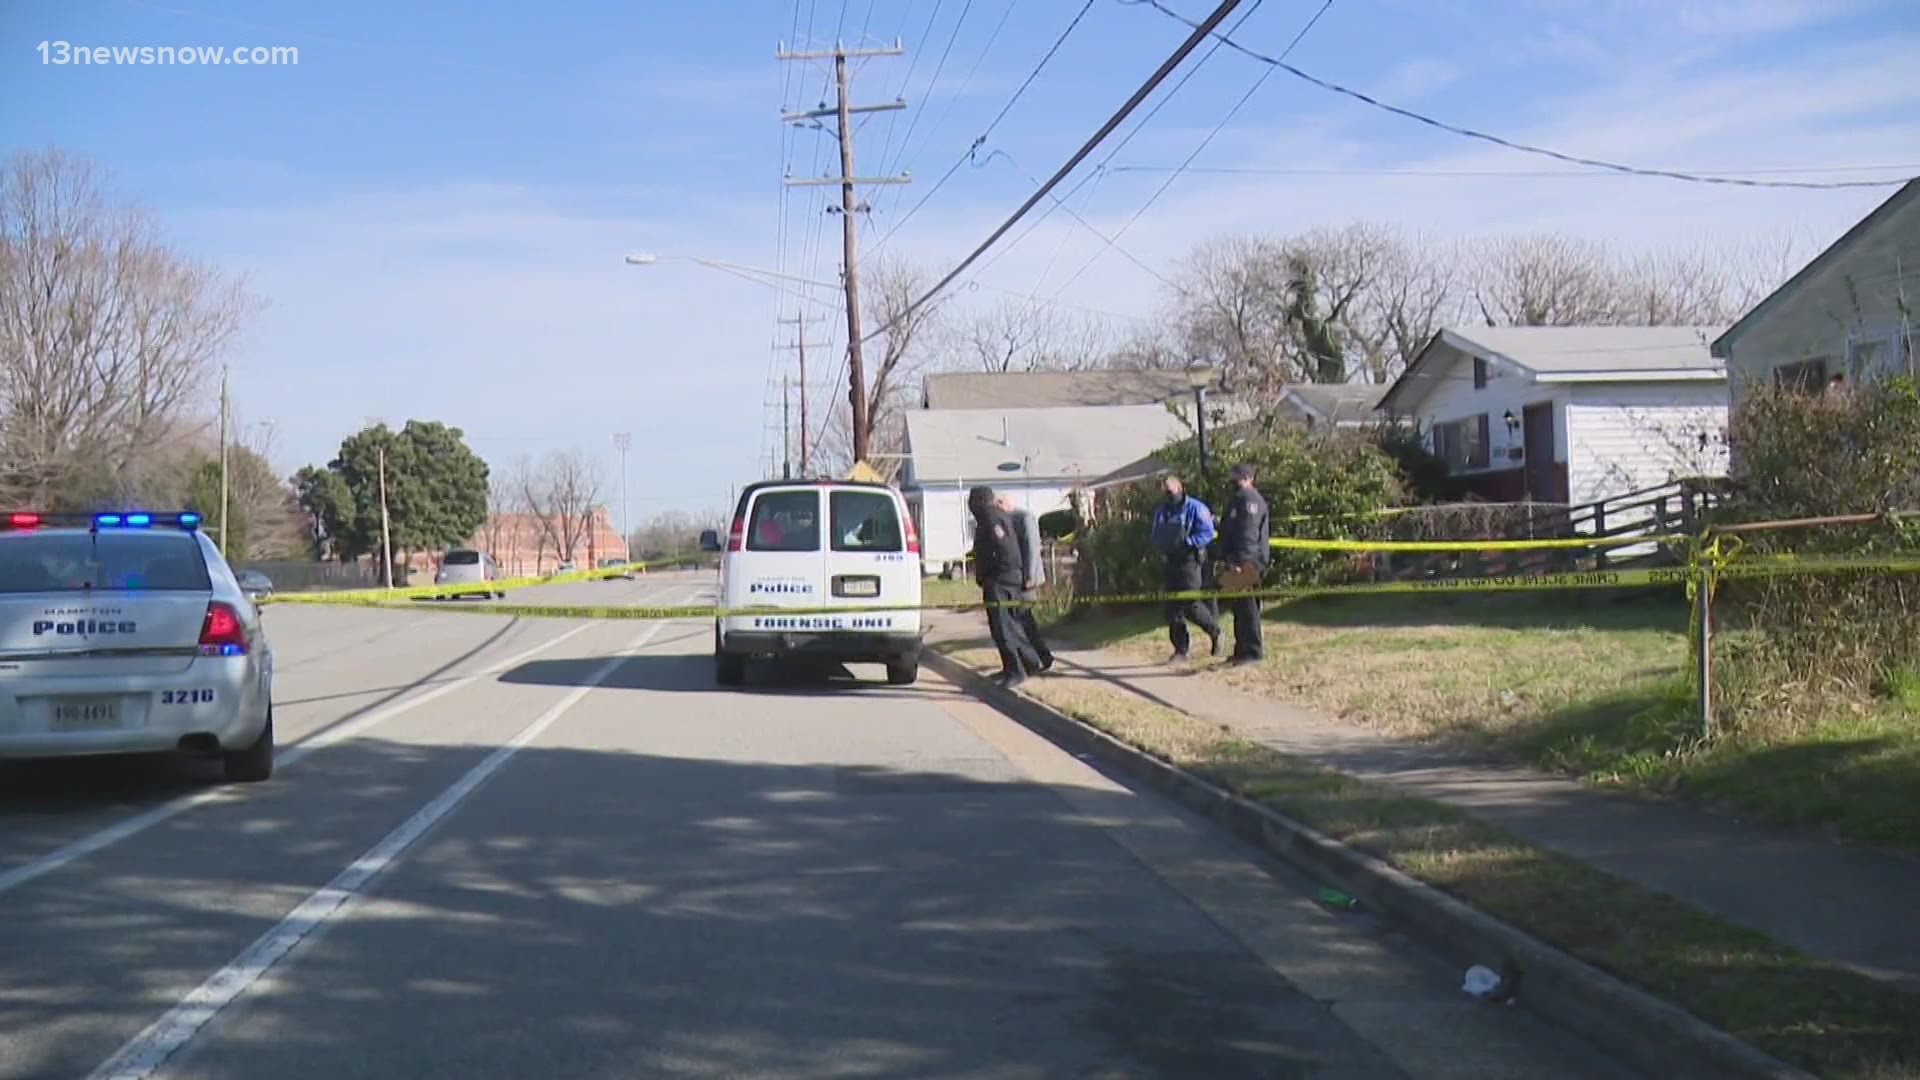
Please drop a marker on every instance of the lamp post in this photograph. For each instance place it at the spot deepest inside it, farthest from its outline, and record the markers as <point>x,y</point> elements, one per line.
<point>623,441</point>
<point>1199,377</point>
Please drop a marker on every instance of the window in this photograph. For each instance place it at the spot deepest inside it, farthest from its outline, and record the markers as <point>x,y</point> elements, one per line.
<point>864,521</point>
<point>1463,444</point>
<point>1479,373</point>
<point>785,521</point>
<point>1807,376</point>
<point>113,561</point>
<point>1876,357</point>
<point>459,557</point>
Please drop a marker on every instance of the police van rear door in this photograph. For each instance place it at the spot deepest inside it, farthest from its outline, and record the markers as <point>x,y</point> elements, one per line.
<point>778,560</point>
<point>871,558</point>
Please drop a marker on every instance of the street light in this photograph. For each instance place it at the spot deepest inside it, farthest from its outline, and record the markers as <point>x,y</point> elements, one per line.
<point>623,442</point>
<point>1199,377</point>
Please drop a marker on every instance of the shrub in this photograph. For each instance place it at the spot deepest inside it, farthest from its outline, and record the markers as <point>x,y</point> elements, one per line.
<point>1299,472</point>
<point>1798,456</point>
<point>1423,473</point>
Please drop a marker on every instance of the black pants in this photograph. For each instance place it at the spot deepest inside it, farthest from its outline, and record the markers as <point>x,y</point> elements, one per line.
<point>1184,575</point>
<point>1008,629</point>
<point>1247,642</point>
<point>1030,626</point>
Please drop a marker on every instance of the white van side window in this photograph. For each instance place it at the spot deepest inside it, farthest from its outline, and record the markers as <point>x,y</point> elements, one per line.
<point>785,521</point>
<point>865,521</point>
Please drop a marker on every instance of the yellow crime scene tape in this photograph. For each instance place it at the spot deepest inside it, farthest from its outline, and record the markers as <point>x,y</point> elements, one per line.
<point>370,597</point>
<point>1304,544</point>
<point>1710,564</point>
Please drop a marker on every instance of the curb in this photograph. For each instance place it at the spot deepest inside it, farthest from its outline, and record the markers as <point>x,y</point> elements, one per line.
<point>1645,1032</point>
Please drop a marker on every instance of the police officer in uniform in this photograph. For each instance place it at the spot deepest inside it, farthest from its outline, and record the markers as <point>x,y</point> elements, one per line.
<point>999,567</point>
<point>1244,532</point>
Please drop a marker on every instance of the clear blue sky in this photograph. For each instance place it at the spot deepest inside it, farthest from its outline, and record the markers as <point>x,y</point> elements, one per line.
<point>434,202</point>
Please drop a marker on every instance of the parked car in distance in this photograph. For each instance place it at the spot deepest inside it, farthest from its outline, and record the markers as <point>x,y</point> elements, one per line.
<point>623,569</point>
<point>563,568</point>
<point>465,566</point>
<point>257,585</point>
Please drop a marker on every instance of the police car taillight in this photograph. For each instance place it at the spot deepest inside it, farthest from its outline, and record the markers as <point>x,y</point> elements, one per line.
<point>222,634</point>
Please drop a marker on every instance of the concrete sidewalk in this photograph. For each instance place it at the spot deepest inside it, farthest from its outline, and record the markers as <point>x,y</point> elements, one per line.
<point>1849,904</point>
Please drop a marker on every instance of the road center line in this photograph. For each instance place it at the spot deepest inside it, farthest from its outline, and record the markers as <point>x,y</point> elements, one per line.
<point>121,830</point>
<point>146,1054</point>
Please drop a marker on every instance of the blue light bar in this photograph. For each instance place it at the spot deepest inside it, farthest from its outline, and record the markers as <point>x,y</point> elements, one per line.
<point>106,520</point>
<point>189,519</point>
<point>139,521</point>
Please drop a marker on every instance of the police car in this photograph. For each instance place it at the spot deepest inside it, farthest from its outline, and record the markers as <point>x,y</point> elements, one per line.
<point>817,546</point>
<point>128,633</point>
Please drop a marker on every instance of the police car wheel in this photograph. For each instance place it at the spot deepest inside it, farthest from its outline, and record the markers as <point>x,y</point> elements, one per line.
<point>255,763</point>
<point>904,671</point>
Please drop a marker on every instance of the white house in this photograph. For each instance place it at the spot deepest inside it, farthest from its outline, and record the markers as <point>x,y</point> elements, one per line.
<point>1038,456</point>
<point>1846,316</point>
<point>1568,414</point>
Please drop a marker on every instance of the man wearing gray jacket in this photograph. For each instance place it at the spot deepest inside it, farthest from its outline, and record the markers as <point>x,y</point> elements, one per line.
<point>1027,528</point>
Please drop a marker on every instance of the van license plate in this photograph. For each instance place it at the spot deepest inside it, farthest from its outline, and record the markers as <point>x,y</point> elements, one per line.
<point>857,586</point>
<point>86,715</point>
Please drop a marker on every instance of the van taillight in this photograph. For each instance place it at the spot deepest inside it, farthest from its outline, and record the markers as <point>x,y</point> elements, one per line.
<point>222,634</point>
<point>913,537</point>
<point>737,535</point>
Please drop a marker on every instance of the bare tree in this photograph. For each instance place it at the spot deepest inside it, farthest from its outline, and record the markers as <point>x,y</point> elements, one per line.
<point>506,501</point>
<point>672,532</point>
<point>561,493</point>
<point>1232,312</point>
<point>107,337</point>
<point>1016,335</point>
<point>894,362</point>
<point>1544,280</point>
<point>1415,290</point>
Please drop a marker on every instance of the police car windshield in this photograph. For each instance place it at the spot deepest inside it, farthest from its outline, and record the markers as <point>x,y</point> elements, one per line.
<point>59,562</point>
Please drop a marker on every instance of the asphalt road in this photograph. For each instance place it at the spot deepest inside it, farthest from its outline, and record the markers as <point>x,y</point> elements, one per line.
<point>548,848</point>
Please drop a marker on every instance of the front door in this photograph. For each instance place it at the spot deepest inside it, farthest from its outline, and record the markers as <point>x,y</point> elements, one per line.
<point>1543,475</point>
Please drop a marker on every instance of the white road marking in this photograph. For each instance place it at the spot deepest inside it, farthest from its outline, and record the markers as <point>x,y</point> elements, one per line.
<point>121,830</point>
<point>146,1053</point>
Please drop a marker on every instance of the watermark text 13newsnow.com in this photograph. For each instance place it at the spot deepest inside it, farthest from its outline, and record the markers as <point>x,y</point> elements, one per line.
<point>69,54</point>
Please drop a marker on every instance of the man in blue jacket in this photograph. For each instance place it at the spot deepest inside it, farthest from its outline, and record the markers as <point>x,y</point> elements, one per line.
<point>1182,529</point>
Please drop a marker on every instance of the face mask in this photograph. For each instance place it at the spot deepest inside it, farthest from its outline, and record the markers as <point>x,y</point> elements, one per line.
<point>1175,500</point>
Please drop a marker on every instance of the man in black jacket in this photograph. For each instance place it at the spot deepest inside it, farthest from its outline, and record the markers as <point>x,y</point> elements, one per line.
<point>1001,570</point>
<point>1243,544</point>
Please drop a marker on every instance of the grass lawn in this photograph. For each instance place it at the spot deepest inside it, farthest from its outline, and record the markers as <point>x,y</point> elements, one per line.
<point>1576,684</point>
<point>940,591</point>
<point>1824,1018</point>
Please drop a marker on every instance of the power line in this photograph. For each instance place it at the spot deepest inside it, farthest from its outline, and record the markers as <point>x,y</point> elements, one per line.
<point>1132,134</point>
<point>1197,151</point>
<point>1567,174</point>
<point>968,154</point>
<point>1153,82</point>
<point>954,99</point>
<point>927,95</point>
<point>1525,148</point>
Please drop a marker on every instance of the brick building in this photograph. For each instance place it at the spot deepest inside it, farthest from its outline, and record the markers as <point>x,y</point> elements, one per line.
<point>524,545</point>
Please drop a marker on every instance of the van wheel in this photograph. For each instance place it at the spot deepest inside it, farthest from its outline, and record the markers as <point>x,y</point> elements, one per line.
<point>903,672</point>
<point>729,670</point>
<point>255,763</point>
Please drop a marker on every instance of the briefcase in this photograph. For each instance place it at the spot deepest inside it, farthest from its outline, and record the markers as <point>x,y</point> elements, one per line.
<point>1235,577</point>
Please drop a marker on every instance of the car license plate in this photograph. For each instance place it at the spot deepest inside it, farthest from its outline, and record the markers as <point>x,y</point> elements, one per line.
<point>859,586</point>
<point>86,715</point>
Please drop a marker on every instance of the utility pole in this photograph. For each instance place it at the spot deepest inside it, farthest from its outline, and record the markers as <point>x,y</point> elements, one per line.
<point>386,533</point>
<point>223,464</point>
<point>623,442</point>
<point>786,428</point>
<point>842,111</point>
<point>802,345</point>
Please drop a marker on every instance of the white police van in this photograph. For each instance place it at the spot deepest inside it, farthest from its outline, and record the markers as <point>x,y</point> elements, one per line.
<point>816,546</point>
